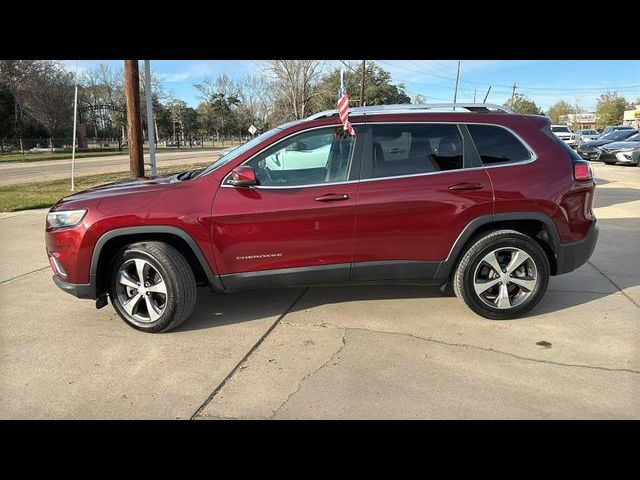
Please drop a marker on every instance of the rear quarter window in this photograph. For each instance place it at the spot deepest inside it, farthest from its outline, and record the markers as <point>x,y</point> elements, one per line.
<point>497,146</point>
<point>570,151</point>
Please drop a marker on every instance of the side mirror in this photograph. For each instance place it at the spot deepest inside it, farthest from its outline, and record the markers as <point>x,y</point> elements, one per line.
<point>243,176</point>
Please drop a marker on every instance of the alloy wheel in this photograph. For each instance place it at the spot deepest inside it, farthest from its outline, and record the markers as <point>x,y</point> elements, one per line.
<point>141,290</point>
<point>505,278</point>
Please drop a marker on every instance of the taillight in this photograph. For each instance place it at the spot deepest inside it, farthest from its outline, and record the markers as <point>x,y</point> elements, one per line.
<point>582,171</point>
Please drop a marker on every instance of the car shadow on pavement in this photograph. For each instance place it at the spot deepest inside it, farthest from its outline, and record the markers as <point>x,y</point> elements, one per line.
<point>606,197</point>
<point>617,238</point>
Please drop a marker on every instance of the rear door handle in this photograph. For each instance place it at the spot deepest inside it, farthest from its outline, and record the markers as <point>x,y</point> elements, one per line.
<point>332,197</point>
<point>466,186</point>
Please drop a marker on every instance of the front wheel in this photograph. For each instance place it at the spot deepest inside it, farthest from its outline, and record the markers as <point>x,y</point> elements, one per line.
<point>502,275</point>
<point>153,288</point>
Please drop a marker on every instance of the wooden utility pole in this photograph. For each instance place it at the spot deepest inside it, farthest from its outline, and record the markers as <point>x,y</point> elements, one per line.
<point>455,94</point>
<point>134,122</point>
<point>362,75</point>
<point>513,93</point>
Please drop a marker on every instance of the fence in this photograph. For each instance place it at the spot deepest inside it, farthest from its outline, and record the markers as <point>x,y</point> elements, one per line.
<point>13,146</point>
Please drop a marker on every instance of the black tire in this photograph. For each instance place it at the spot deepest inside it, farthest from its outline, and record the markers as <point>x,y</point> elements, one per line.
<point>175,272</point>
<point>463,279</point>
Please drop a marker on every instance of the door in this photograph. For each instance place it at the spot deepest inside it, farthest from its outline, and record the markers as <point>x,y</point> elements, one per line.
<point>422,183</point>
<point>297,226</point>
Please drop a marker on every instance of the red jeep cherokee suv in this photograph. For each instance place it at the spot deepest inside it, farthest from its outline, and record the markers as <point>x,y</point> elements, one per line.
<point>467,194</point>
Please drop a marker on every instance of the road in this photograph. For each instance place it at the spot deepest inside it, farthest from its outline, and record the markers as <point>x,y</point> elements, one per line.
<point>352,352</point>
<point>25,172</point>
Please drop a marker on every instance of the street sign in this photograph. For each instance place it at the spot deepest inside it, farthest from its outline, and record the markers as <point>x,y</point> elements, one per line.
<point>252,130</point>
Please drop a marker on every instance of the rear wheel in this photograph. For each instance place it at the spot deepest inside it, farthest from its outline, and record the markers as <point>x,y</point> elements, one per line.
<point>502,275</point>
<point>153,288</point>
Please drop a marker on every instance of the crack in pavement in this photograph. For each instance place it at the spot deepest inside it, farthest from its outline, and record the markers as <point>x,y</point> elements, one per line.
<point>246,356</point>
<point>333,355</point>
<point>23,275</point>
<point>613,283</point>
<point>465,345</point>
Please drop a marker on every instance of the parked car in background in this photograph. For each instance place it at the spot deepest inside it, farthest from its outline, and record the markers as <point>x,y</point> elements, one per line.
<point>590,150</point>
<point>627,151</point>
<point>476,197</point>
<point>583,136</point>
<point>564,133</point>
<point>616,128</point>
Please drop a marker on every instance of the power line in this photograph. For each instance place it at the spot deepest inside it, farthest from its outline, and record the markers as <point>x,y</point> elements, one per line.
<point>348,66</point>
<point>521,87</point>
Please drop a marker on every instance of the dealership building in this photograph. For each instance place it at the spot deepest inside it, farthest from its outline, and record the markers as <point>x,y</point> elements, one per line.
<point>632,117</point>
<point>586,121</point>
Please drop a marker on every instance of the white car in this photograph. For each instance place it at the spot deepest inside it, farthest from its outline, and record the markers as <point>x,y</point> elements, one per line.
<point>583,136</point>
<point>565,134</point>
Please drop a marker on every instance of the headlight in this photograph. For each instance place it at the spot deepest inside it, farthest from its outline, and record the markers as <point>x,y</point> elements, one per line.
<point>573,137</point>
<point>65,218</point>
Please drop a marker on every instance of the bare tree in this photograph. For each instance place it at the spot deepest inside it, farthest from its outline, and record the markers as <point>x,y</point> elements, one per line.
<point>295,83</point>
<point>16,75</point>
<point>49,98</point>
<point>256,101</point>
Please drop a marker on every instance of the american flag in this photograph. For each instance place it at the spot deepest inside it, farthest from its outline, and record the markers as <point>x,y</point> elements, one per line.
<point>343,106</point>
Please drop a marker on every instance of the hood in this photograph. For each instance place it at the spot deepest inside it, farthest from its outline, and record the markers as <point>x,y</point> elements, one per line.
<point>622,146</point>
<point>120,188</point>
<point>596,143</point>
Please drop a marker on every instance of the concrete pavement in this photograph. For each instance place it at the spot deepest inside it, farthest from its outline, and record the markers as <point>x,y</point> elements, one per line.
<point>359,352</point>
<point>46,170</point>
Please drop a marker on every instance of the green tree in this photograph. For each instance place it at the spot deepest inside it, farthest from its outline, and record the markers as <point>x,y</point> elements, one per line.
<point>378,87</point>
<point>522,104</point>
<point>222,98</point>
<point>610,109</point>
<point>6,112</point>
<point>558,110</point>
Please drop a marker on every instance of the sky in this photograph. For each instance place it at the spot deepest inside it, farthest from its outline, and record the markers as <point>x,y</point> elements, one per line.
<point>544,81</point>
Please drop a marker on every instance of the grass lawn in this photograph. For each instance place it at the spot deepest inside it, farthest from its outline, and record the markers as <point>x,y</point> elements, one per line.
<point>38,157</point>
<point>45,194</point>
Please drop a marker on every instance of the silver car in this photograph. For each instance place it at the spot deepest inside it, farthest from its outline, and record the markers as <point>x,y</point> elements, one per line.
<point>625,152</point>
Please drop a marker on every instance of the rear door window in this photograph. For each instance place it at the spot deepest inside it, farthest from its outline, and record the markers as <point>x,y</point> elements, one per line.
<point>410,149</point>
<point>497,146</point>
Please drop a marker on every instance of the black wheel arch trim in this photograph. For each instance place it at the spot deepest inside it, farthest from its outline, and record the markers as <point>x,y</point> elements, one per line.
<point>446,267</point>
<point>213,279</point>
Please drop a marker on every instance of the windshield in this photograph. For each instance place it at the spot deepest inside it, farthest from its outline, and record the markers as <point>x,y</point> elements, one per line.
<point>589,132</point>
<point>560,129</point>
<point>223,160</point>
<point>617,135</point>
<point>634,138</point>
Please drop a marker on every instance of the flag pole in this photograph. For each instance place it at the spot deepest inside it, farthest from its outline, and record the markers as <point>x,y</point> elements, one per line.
<point>73,146</point>
<point>150,123</point>
<point>343,88</point>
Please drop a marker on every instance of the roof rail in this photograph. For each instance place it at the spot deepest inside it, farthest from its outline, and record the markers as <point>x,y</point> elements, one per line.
<point>412,108</point>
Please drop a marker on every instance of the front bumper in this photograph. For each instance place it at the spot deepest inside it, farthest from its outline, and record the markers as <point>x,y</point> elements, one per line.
<point>575,254</point>
<point>589,155</point>
<point>79,290</point>
<point>627,157</point>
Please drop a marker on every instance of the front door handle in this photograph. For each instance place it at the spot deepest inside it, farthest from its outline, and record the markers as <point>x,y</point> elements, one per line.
<point>466,186</point>
<point>332,197</point>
